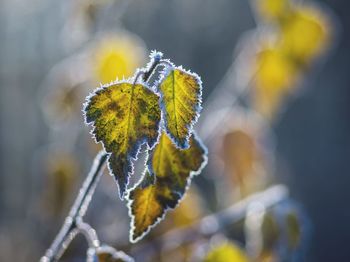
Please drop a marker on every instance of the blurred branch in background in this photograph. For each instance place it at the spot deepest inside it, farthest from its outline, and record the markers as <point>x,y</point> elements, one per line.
<point>211,224</point>
<point>74,222</point>
<point>271,63</point>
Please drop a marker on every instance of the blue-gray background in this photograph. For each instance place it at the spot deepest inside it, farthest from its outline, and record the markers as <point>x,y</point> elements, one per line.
<point>313,133</point>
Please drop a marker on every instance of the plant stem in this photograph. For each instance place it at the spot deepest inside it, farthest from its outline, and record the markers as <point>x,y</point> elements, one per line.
<point>156,59</point>
<point>78,210</point>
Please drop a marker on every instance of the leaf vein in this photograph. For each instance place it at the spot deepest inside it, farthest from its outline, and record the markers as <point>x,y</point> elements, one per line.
<point>174,104</point>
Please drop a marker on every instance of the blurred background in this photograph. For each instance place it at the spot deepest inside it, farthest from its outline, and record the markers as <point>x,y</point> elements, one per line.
<point>276,109</point>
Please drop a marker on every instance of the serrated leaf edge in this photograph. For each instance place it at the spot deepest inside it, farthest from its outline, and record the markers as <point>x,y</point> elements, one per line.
<point>198,108</point>
<point>133,156</point>
<point>159,219</point>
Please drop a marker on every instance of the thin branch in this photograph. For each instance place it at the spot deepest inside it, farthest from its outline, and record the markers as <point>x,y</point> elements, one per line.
<point>156,59</point>
<point>70,229</point>
<point>89,233</point>
<point>210,224</point>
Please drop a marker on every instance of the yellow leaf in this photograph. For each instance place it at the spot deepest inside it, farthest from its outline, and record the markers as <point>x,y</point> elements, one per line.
<point>181,93</point>
<point>305,35</point>
<point>272,9</point>
<point>241,155</point>
<point>173,169</point>
<point>116,57</point>
<point>124,116</point>
<point>274,70</point>
<point>275,75</point>
<point>226,252</point>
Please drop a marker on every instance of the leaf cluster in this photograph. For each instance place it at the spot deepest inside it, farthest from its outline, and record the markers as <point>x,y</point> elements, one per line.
<point>129,113</point>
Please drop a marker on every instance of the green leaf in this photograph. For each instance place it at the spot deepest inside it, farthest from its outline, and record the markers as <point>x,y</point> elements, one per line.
<point>123,116</point>
<point>173,169</point>
<point>181,94</point>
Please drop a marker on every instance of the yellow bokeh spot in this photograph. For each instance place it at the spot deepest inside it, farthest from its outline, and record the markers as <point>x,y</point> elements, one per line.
<point>116,57</point>
<point>274,71</point>
<point>226,252</point>
<point>62,172</point>
<point>188,211</point>
<point>275,74</point>
<point>305,34</point>
<point>241,157</point>
<point>272,9</point>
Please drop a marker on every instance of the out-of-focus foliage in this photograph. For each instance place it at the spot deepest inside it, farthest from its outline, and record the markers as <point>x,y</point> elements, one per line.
<point>109,57</point>
<point>275,75</point>
<point>62,172</point>
<point>63,92</point>
<point>116,57</point>
<point>305,34</point>
<point>270,235</point>
<point>226,252</point>
<point>181,97</point>
<point>81,20</point>
<point>276,234</point>
<point>173,169</point>
<point>189,211</point>
<point>241,156</point>
<point>272,10</point>
<point>124,116</point>
<point>297,35</point>
<point>63,103</point>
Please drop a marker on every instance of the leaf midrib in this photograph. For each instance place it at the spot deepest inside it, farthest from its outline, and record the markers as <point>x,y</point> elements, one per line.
<point>174,103</point>
<point>129,111</point>
<point>147,207</point>
<point>160,153</point>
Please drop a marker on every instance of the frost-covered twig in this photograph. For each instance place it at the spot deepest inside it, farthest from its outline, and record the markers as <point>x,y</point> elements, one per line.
<point>70,227</point>
<point>211,224</point>
<point>89,233</point>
